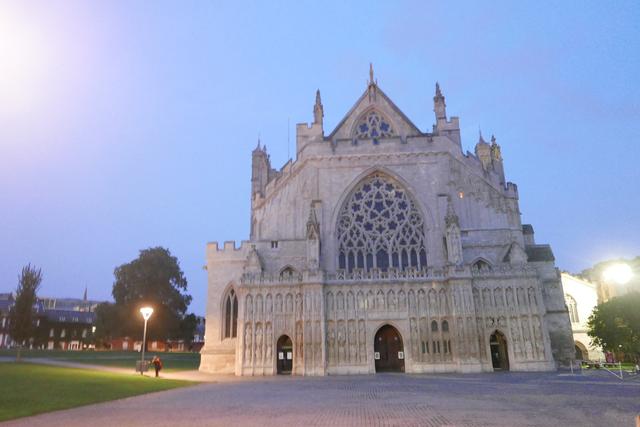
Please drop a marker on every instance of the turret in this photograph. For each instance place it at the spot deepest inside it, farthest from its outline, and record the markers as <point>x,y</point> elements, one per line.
<point>483,152</point>
<point>451,127</point>
<point>314,132</point>
<point>496,159</point>
<point>439,106</point>
<point>260,168</point>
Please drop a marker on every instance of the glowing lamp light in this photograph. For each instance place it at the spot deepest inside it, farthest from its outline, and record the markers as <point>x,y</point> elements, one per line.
<point>146,312</point>
<point>618,273</point>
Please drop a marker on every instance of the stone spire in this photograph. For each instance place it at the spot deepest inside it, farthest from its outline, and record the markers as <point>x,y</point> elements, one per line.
<point>451,218</point>
<point>439,106</point>
<point>318,110</point>
<point>495,149</point>
<point>496,159</point>
<point>372,84</point>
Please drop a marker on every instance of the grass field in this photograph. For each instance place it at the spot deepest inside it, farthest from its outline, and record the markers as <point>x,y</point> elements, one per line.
<point>33,389</point>
<point>122,359</point>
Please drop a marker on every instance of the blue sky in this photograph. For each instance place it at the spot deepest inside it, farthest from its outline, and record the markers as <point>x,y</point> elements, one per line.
<point>126,125</point>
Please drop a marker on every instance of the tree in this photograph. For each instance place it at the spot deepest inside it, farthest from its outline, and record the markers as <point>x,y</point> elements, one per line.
<point>21,316</point>
<point>615,324</point>
<point>154,279</point>
<point>188,328</point>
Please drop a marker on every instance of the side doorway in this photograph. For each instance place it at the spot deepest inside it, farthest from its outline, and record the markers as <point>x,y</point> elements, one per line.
<point>499,351</point>
<point>284,355</point>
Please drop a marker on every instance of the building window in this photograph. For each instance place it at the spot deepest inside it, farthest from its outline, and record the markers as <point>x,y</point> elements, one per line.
<point>434,326</point>
<point>274,244</point>
<point>63,333</point>
<point>287,272</point>
<point>51,333</point>
<point>373,126</point>
<point>572,307</point>
<point>380,227</point>
<point>231,315</point>
<point>445,326</point>
<point>481,265</point>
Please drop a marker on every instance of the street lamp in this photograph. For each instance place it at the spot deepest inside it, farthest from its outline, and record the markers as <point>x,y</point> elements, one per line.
<point>146,314</point>
<point>619,274</point>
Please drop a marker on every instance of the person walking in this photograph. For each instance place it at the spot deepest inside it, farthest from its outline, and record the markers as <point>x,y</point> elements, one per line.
<point>157,364</point>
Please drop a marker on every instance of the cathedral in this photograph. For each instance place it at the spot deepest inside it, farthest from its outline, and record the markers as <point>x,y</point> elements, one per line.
<point>383,247</point>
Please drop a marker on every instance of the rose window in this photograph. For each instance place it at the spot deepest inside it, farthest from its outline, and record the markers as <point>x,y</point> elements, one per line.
<point>373,126</point>
<point>380,227</point>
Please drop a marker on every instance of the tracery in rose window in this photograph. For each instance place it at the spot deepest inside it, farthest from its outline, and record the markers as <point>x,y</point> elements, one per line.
<point>380,227</point>
<point>373,125</point>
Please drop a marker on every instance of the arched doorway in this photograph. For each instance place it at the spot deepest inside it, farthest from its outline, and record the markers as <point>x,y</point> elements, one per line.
<point>499,353</point>
<point>284,355</point>
<point>581,351</point>
<point>388,350</point>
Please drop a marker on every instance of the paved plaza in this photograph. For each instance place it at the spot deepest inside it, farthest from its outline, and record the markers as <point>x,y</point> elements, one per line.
<point>508,399</point>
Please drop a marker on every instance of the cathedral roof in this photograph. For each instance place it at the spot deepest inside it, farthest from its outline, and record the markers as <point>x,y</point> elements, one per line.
<point>374,98</point>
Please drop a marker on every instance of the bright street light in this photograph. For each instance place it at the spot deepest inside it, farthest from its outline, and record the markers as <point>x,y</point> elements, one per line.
<point>146,314</point>
<point>619,274</point>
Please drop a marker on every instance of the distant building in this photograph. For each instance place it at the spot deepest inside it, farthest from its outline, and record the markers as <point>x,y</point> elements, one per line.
<point>61,323</point>
<point>6,301</point>
<point>581,297</point>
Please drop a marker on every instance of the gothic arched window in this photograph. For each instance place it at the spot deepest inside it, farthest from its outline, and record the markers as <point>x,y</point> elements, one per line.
<point>434,326</point>
<point>380,227</point>
<point>481,265</point>
<point>573,308</point>
<point>373,126</point>
<point>445,326</point>
<point>231,315</point>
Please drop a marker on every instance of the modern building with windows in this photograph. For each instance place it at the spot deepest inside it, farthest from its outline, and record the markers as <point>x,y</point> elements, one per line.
<point>383,247</point>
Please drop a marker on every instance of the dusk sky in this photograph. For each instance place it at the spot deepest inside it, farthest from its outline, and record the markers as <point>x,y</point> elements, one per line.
<point>126,125</point>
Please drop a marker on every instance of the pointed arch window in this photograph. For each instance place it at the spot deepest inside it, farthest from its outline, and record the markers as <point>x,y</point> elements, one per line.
<point>373,125</point>
<point>572,307</point>
<point>231,315</point>
<point>380,227</point>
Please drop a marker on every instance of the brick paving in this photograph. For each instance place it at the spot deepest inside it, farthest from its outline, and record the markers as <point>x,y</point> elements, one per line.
<point>478,400</point>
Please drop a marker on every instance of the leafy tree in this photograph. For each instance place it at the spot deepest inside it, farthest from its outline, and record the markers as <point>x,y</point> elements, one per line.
<point>188,328</point>
<point>615,324</point>
<point>154,279</point>
<point>21,316</point>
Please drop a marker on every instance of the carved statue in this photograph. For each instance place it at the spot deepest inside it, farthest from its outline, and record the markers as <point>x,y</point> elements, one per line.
<point>453,238</point>
<point>247,343</point>
<point>342,339</point>
<point>331,340</point>
<point>269,340</point>
<point>258,343</point>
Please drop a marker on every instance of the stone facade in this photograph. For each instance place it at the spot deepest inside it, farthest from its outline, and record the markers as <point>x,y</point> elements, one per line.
<point>581,297</point>
<point>379,223</point>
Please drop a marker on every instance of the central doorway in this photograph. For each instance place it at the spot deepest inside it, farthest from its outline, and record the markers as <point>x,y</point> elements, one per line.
<point>499,353</point>
<point>284,355</point>
<point>388,350</point>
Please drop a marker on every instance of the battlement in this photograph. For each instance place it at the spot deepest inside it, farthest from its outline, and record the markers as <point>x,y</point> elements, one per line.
<point>228,250</point>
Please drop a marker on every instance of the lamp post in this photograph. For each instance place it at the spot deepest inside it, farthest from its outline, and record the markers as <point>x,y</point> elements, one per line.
<point>617,274</point>
<point>146,314</point>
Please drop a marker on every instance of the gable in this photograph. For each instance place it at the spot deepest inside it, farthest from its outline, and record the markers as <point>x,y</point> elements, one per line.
<point>374,115</point>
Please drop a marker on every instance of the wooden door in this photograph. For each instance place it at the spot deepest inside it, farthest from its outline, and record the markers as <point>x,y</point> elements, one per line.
<point>388,350</point>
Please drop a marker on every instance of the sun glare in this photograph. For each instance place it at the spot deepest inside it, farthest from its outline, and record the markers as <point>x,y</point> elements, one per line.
<point>22,62</point>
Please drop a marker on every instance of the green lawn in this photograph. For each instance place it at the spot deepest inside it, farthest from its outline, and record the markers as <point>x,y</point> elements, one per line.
<point>33,389</point>
<point>123,359</point>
